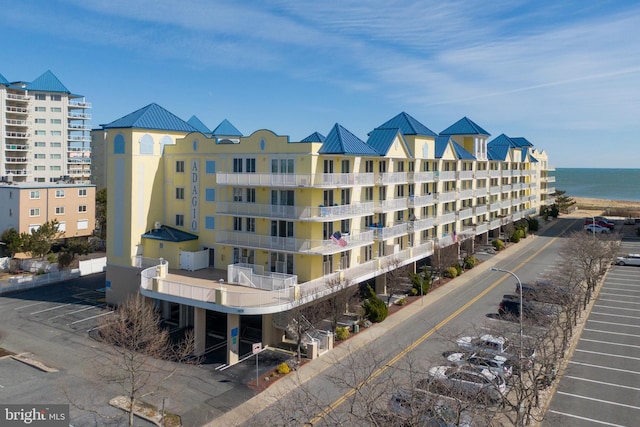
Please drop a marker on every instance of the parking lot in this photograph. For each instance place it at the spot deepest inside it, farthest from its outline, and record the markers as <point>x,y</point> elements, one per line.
<point>601,385</point>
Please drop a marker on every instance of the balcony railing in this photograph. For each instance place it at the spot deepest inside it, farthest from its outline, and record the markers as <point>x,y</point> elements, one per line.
<point>16,122</point>
<point>421,224</point>
<point>295,180</point>
<point>391,178</point>
<point>465,213</point>
<point>384,233</point>
<point>481,209</point>
<point>482,174</point>
<point>75,126</point>
<point>16,159</point>
<point>465,194</point>
<point>465,175</point>
<point>79,104</point>
<point>18,97</point>
<point>19,110</point>
<point>16,147</point>
<point>448,196</point>
<point>495,173</point>
<point>79,116</point>
<point>419,201</point>
<point>481,192</point>
<point>494,190</point>
<point>446,218</point>
<point>494,206</point>
<point>295,212</point>
<point>420,177</point>
<point>78,138</point>
<point>390,204</point>
<point>446,175</point>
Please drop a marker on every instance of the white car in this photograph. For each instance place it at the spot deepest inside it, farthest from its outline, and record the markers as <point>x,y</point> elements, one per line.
<point>464,380</point>
<point>595,228</point>
<point>494,363</point>
<point>630,259</point>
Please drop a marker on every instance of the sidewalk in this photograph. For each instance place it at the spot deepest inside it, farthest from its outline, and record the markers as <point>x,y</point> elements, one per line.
<point>275,392</point>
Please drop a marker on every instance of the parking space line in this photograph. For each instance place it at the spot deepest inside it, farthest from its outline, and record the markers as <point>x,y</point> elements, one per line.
<point>616,315</point>
<point>591,365</point>
<point>617,308</point>
<point>601,382</point>
<point>51,308</point>
<point>622,295</point>
<point>585,418</point>
<point>89,318</point>
<point>612,333</point>
<point>608,402</point>
<point>616,300</point>
<point>610,343</point>
<point>31,305</point>
<point>76,311</point>
<point>613,323</point>
<point>607,354</point>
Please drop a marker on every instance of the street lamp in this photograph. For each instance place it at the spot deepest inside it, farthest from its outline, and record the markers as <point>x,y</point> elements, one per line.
<point>520,294</point>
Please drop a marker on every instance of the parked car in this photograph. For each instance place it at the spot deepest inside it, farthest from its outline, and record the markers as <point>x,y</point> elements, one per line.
<point>421,407</point>
<point>544,291</point>
<point>539,313</point>
<point>491,344</point>
<point>594,228</point>
<point>466,381</point>
<point>604,224</point>
<point>494,363</point>
<point>629,259</point>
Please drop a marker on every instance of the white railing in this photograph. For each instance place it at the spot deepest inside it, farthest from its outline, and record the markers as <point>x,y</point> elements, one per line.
<point>391,178</point>
<point>446,175</point>
<point>482,228</point>
<point>421,224</point>
<point>390,204</point>
<point>20,110</point>
<point>294,212</point>
<point>11,134</point>
<point>494,190</point>
<point>481,209</point>
<point>495,173</point>
<point>495,224</point>
<point>465,175</point>
<point>420,177</point>
<point>385,233</point>
<point>445,197</point>
<point>79,104</point>
<point>18,97</point>
<point>482,174</point>
<point>16,122</point>
<point>481,191</point>
<point>418,201</point>
<point>254,276</point>
<point>465,213</point>
<point>445,218</point>
<point>465,194</point>
<point>494,206</point>
<point>295,180</point>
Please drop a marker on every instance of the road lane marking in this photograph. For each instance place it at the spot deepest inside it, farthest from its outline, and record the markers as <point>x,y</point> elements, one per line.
<point>89,318</point>
<point>601,382</point>
<point>51,308</point>
<point>591,365</point>
<point>607,354</point>
<point>421,339</point>
<point>585,419</point>
<point>608,402</point>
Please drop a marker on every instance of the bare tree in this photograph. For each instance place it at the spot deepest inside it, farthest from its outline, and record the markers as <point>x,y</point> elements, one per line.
<point>301,322</point>
<point>343,295</point>
<point>394,272</point>
<point>140,355</point>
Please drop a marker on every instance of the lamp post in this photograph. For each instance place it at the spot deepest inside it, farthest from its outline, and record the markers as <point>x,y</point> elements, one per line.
<point>520,295</point>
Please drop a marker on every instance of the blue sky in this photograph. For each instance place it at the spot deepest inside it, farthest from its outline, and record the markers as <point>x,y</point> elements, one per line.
<point>565,75</point>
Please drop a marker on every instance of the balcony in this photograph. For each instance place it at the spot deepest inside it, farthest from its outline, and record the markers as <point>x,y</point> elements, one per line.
<point>446,175</point>
<point>79,116</point>
<point>16,122</point>
<point>18,97</point>
<point>419,201</point>
<point>17,135</point>
<point>505,204</point>
<point>391,178</point>
<point>16,160</point>
<point>320,180</point>
<point>495,224</point>
<point>465,175</point>
<point>505,188</point>
<point>465,213</point>
<point>548,179</point>
<point>481,192</point>
<point>495,173</point>
<point>78,138</point>
<point>291,244</point>
<point>420,177</point>
<point>421,224</point>
<point>79,160</point>
<point>79,104</point>
<point>390,205</point>
<point>16,110</point>
<point>482,174</point>
<point>482,228</point>
<point>465,194</point>
<point>16,147</point>
<point>448,196</point>
<point>16,172</point>
<point>493,207</point>
<point>384,233</point>
<point>480,209</point>
<point>303,213</point>
<point>77,126</point>
<point>446,218</point>
<point>494,190</point>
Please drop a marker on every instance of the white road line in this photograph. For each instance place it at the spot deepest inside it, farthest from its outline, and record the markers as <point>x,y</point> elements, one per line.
<point>49,309</point>
<point>31,305</point>
<point>612,333</point>
<point>601,382</point>
<point>610,343</point>
<point>613,323</point>
<point>616,315</point>
<point>591,365</point>
<point>89,318</point>
<point>607,354</point>
<point>618,301</point>
<point>608,402</point>
<point>622,295</point>
<point>585,418</point>
<point>77,311</point>
<point>616,308</point>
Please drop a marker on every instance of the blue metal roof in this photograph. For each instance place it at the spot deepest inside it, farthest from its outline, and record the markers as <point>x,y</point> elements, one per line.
<point>502,140</point>
<point>196,123</point>
<point>442,142</point>
<point>407,125</point>
<point>521,141</point>
<point>47,82</point>
<point>152,116</point>
<point>315,137</point>
<point>341,141</point>
<point>497,152</point>
<point>3,81</point>
<point>169,234</point>
<point>225,128</point>
<point>464,126</point>
<point>461,152</point>
<point>382,139</point>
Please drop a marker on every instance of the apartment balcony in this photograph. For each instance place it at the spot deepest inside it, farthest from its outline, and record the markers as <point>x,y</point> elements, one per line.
<point>17,135</point>
<point>16,110</point>
<point>494,190</point>
<point>448,196</point>
<point>465,194</point>
<point>420,201</point>
<point>320,180</point>
<point>493,207</point>
<point>482,228</point>
<point>482,174</point>
<point>390,205</point>
<point>18,160</point>
<point>496,223</point>
<point>550,169</point>
<point>421,224</point>
<point>84,150</point>
<point>17,122</point>
<point>480,209</point>
<point>446,218</point>
<point>79,172</point>
<point>79,104</point>
<point>466,175</point>
<point>78,138</point>
<point>495,173</point>
<point>548,179</point>
<point>446,175</point>
<point>421,177</point>
<point>549,190</point>
<point>79,116</point>
<point>79,160</point>
<point>465,213</point>
<point>506,188</point>
<point>17,172</point>
<point>480,192</point>
<point>302,213</point>
<point>16,147</point>
<point>391,178</point>
<point>517,186</point>
<point>505,204</point>
<point>291,244</point>
<point>384,233</point>
<point>18,97</point>
<point>78,126</point>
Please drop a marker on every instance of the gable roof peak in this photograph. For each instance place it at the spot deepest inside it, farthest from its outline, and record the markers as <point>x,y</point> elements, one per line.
<point>152,116</point>
<point>47,82</point>
<point>407,125</point>
<point>465,126</point>
<point>225,128</point>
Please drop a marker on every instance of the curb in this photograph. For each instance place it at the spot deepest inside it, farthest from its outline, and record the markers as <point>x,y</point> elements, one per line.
<point>27,360</point>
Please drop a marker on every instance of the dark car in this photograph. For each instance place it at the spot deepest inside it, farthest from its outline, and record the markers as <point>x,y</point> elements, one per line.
<point>543,291</point>
<point>536,312</point>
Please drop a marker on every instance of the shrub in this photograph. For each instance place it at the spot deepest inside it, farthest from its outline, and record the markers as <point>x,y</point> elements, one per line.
<point>450,272</point>
<point>283,368</point>
<point>342,333</point>
<point>374,308</point>
<point>401,301</point>
<point>470,262</point>
<point>515,237</point>
<point>534,225</point>
<point>414,292</point>
<point>498,245</point>
<point>422,279</point>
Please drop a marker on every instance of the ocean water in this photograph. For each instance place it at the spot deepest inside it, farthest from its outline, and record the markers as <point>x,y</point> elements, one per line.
<point>611,184</point>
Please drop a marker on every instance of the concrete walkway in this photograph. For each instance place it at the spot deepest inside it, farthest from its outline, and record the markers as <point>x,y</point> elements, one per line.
<point>275,392</point>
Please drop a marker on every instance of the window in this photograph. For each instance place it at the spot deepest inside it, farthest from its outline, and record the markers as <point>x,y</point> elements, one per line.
<point>237,223</point>
<point>250,165</point>
<point>55,144</point>
<point>56,109</point>
<point>59,193</point>
<point>41,132</point>
<point>251,225</point>
<point>400,167</point>
<point>146,144</point>
<point>35,194</point>
<point>210,194</point>
<point>237,165</point>
<point>118,144</point>
<point>237,195</point>
<point>56,97</point>
<point>327,230</point>
<point>62,226</point>
<point>56,121</point>
<point>180,193</point>
<point>368,220</point>
<point>39,144</point>
<point>82,192</point>
<point>251,195</point>
<point>82,208</point>
<point>83,224</point>
<point>400,191</point>
<point>56,133</point>
<point>39,168</point>
<point>55,156</point>
<point>345,166</point>
<point>40,121</point>
<point>368,194</point>
<point>345,226</point>
<point>59,210</point>
<point>180,166</point>
<point>41,109</point>
<point>210,222</point>
<point>368,252</point>
<point>41,97</point>
<point>368,166</point>
<point>179,220</point>
<point>39,156</point>
<point>34,212</point>
<point>210,166</point>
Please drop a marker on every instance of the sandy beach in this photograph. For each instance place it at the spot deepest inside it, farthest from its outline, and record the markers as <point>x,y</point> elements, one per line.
<point>606,207</point>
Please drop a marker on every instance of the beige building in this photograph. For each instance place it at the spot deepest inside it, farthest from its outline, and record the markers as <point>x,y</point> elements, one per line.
<point>26,206</point>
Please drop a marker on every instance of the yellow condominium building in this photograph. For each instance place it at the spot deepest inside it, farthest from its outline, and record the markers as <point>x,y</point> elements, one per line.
<point>228,231</point>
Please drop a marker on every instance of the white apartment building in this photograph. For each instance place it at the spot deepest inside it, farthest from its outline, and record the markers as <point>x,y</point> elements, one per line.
<point>44,132</point>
